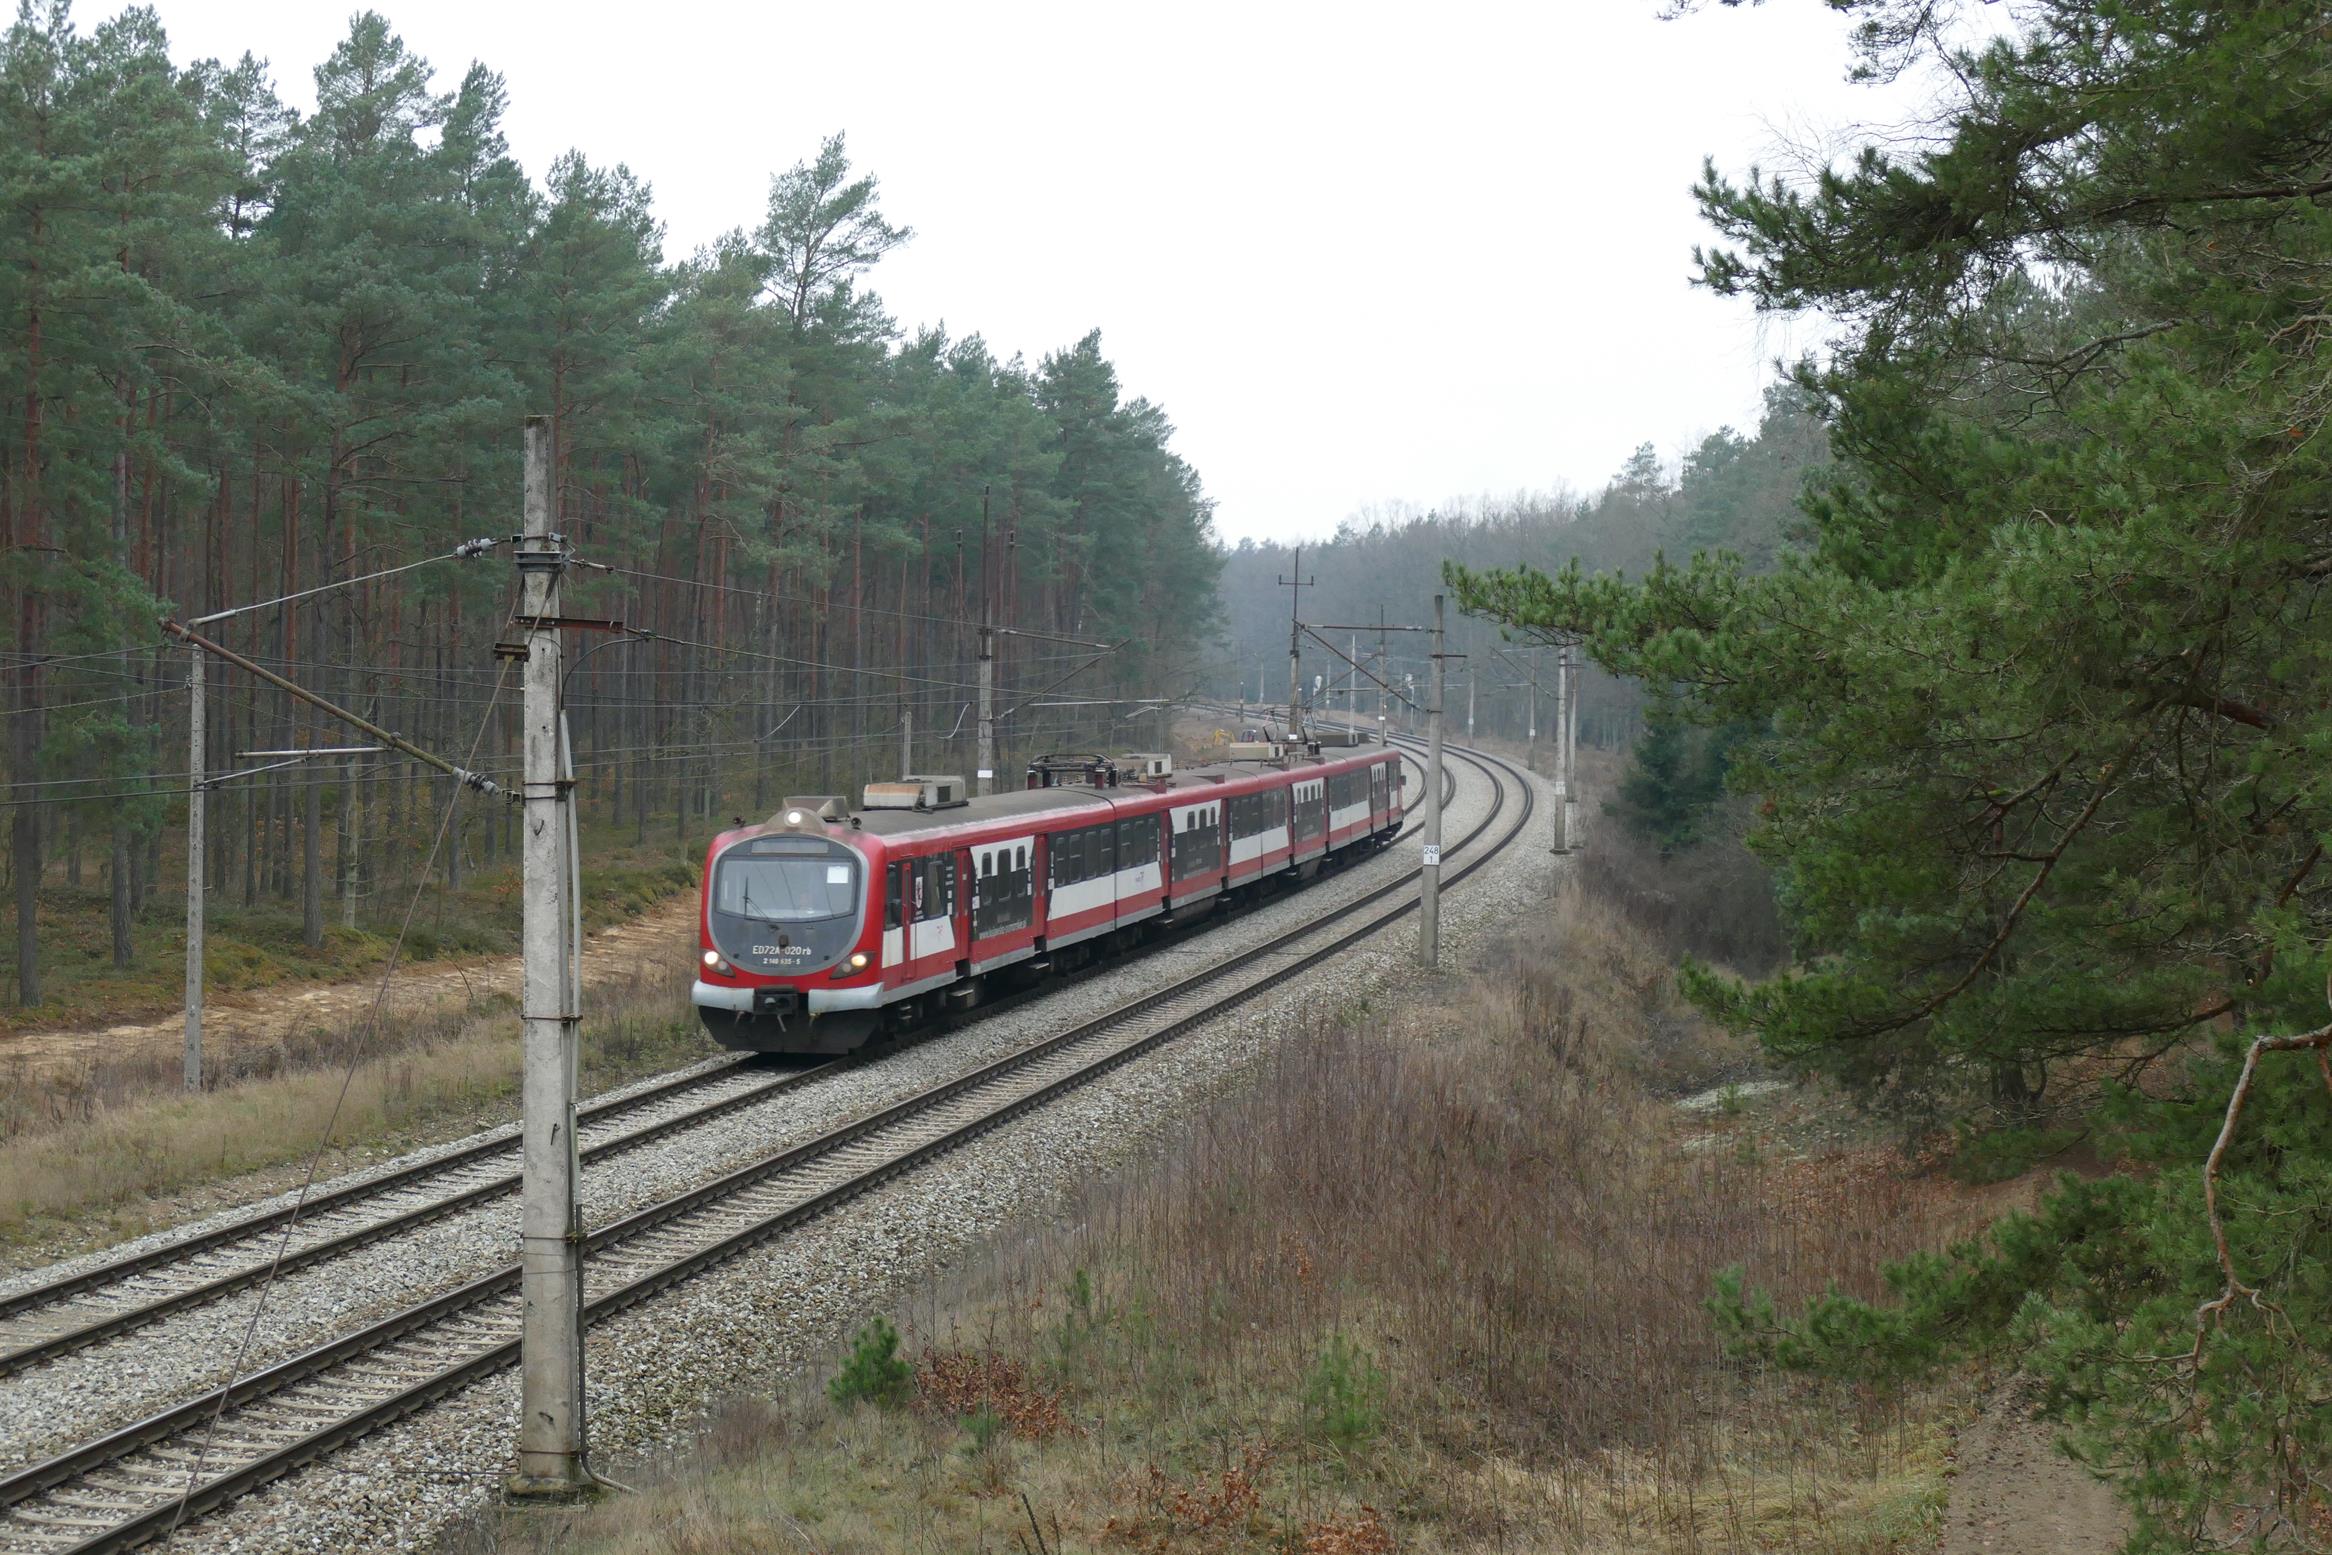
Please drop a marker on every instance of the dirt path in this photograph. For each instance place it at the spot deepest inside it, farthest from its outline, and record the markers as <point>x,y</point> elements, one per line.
<point>2015,1494</point>
<point>655,941</point>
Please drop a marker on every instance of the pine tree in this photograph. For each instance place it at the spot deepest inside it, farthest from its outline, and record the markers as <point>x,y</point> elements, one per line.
<point>2049,703</point>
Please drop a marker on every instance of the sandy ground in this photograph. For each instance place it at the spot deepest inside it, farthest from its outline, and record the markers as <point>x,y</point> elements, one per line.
<point>2015,1494</point>
<point>655,940</point>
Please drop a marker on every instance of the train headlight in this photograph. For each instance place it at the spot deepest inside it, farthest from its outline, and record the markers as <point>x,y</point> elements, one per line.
<point>858,961</point>
<point>714,963</point>
<point>793,817</point>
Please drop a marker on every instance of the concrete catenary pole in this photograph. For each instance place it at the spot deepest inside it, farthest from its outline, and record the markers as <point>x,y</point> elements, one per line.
<point>1562,756</point>
<point>1429,879</point>
<point>1534,702</point>
<point>906,742</point>
<point>984,779</point>
<point>353,835</point>
<point>550,1422</point>
<point>197,800</point>
<point>1295,642</point>
<point>1571,746</point>
<point>1562,752</point>
<point>1384,680</point>
<point>987,753</point>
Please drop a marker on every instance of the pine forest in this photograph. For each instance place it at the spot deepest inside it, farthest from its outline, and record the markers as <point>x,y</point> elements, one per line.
<point>250,354</point>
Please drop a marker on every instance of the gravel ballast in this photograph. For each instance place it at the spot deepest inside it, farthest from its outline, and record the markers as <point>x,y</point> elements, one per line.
<point>655,1369</point>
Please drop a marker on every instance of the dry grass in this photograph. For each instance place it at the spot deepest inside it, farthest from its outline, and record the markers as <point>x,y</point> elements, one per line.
<point>1434,1284</point>
<point>254,949</point>
<point>86,1156</point>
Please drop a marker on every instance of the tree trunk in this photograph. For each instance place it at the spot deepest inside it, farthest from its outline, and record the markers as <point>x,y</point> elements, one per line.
<point>25,825</point>
<point>312,793</point>
<point>123,862</point>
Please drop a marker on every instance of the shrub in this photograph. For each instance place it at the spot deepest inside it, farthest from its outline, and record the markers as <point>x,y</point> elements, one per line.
<point>982,1425</point>
<point>874,1372</point>
<point>1344,1394</point>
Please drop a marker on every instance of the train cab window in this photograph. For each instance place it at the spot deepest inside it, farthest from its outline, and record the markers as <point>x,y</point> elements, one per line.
<point>930,889</point>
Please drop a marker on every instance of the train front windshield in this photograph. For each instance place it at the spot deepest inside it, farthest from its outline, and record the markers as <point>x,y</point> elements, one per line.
<point>785,890</point>
<point>785,904</point>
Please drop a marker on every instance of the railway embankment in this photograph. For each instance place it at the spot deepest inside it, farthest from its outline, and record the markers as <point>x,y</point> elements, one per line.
<point>165,1360</point>
<point>102,1149</point>
<point>659,1369</point>
<point>1418,1266</point>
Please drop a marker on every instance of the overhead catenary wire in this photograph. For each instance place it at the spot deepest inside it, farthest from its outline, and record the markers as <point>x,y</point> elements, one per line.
<point>356,1051</point>
<point>463,551</point>
<point>395,741</point>
<point>406,686</point>
<point>774,596</point>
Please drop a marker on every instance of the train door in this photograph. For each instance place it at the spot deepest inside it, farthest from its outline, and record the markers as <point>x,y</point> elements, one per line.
<point>895,919</point>
<point>963,908</point>
<point>1040,882</point>
<point>1380,808</point>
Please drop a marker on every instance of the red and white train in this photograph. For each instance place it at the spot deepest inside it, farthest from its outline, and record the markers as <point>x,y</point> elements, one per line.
<point>826,925</point>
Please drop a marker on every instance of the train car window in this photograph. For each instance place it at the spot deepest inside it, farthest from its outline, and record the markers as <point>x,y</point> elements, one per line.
<point>894,876</point>
<point>1132,851</point>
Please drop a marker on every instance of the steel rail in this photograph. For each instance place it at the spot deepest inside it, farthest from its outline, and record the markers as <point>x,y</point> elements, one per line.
<point>504,1142</point>
<point>501,1141</point>
<point>93,1456</point>
<point>114,1325</point>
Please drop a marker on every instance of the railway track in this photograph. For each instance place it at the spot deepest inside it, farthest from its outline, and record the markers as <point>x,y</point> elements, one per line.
<point>110,1300</point>
<point>125,1488</point>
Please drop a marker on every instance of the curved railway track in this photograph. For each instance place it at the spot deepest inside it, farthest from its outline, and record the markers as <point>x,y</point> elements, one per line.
<point>109,1300</point>
<point>125,1488</point>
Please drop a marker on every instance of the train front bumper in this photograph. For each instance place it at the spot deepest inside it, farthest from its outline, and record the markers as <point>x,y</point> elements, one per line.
<point>784,1001</point>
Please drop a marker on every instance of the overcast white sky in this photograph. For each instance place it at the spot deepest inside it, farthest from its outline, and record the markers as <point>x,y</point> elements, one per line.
<point>1361,254</point>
